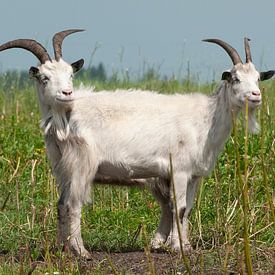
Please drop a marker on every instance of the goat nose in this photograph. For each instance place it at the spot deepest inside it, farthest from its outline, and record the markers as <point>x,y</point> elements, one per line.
<point>256,93</point>
<point>67,92</point>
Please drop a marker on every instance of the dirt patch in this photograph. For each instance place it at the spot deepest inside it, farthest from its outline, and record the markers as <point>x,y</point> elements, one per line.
<point>200,262</point>
<point>136,262</point>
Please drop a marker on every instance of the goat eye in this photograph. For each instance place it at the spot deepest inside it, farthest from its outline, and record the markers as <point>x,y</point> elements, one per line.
<point>236,81</point>
<point>44,80</point>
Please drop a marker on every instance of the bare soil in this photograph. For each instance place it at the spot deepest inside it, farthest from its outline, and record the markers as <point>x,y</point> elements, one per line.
<point>140,262</point>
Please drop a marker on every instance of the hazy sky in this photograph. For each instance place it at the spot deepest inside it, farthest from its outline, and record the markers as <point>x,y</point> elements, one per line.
<point>131,34</point>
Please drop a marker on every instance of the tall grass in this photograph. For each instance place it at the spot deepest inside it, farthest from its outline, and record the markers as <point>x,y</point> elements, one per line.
<point>232,224</point>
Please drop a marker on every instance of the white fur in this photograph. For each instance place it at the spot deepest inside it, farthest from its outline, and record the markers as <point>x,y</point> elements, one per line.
<point>127,136</point>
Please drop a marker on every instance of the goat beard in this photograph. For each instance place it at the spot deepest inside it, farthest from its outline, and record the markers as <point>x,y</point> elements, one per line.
<point>253,125</point>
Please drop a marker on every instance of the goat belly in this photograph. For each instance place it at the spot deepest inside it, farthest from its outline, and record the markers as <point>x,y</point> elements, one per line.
<point>123,172</point>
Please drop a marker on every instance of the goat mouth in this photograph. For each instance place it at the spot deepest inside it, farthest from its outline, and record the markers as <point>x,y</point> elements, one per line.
<point>64,100</point>
<point>255,101</point>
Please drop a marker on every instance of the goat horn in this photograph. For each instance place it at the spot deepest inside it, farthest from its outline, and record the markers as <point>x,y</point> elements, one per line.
<point>247,50</point>
<point>30,45</point>
<point>230,50</point>
<point>58,39</point>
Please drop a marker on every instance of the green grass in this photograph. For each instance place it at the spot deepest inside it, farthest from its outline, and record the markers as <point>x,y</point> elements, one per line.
<point>123,219</point>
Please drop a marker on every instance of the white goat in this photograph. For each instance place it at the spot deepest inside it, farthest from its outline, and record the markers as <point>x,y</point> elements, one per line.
<point>128,136</point>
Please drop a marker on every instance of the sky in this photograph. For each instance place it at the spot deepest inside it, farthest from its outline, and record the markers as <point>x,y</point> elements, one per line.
<point>135,35</point>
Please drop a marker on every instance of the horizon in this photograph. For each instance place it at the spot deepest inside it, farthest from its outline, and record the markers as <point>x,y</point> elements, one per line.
<point>133,35</point>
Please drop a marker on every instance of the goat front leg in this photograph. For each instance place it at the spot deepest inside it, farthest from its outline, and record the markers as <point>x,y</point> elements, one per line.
<point>54,155</point>
<point>75,191</point>
<point>192,188</point>
<point>178,235</point>
<point>69,225</point>
<point>74,221</point>
<point>160,190</point>
<point>62,215</point>
<point>186,191</point>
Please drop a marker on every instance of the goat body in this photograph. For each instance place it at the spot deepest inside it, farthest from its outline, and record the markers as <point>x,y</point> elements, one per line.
<point>132,133</point>
<point>129,137</point>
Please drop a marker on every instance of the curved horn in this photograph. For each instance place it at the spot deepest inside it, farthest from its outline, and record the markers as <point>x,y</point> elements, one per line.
<point>58,39</point>
<point>30,45</point>
<point>230,50</point>
<point>247,50</point>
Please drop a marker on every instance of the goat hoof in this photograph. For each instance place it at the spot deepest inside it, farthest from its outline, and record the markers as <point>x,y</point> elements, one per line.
<point>169,241</point>
<point>186,247</point>
<point>156,244</point>
<point>81,252</point>
<point>86,255</point>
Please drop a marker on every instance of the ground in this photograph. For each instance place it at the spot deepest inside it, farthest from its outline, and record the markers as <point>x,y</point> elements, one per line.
<point>136,262</point>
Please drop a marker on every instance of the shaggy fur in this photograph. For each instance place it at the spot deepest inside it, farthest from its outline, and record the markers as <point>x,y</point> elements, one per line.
<point>128,136</point>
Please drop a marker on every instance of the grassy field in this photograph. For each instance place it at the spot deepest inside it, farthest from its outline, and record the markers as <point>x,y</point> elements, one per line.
<point>233,218</point>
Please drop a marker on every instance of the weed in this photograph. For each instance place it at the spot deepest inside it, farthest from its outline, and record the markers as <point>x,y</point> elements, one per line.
<point>232,224</point>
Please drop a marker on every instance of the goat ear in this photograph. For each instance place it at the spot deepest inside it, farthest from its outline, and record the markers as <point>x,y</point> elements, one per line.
<point>77,65</point>
<point>266,75</point>
<point>226,76</point>
<point>33,72</point>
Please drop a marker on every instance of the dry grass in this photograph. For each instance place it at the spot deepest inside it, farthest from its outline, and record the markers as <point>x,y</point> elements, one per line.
<point>232,223</point>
